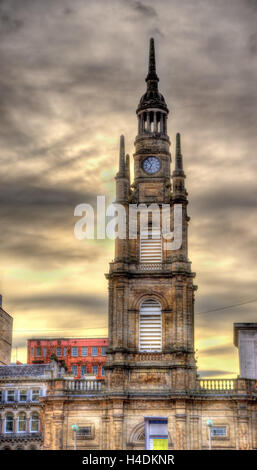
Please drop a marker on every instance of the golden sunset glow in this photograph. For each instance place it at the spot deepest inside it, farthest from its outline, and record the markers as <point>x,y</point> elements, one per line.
<point>72,75</point>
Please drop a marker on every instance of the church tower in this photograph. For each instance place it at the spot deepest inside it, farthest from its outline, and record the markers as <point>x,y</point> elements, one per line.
<point>151,291</point>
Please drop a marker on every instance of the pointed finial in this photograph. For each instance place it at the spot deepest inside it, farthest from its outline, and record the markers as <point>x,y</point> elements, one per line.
<point>151,66</point>
<point>128,166</point>
<point>178,146</point>
<point>122,154</point>
<point>179,159</point>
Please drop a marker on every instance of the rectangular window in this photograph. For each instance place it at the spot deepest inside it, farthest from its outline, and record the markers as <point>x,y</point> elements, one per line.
<point>74,352</point>
<point>65,351</point>
<point>95,370</point>
<point>9,423</point>
<point>35,395</point>
<point>74,370</point>
<point>156,433</point>
<point>10,395</point>
<point>102,371</point>
<point>94,351</point>
<point>22,422</point>
<point>103,351</point>
<point>150,326</point>
<point>58,352</point>
<point>218,431</point>
<point>84,351</point>
<point>38,352</point>
<point>150,248</point>
<point>23,395</point>
<point>45,352</point>
<point>84,433</point>
<point>83,370</point>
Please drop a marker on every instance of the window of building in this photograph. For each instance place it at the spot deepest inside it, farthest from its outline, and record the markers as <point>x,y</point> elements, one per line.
<point>94,351</point>
<point>102,371</point>
<point>84,351</point>
<point>23,395</point>
<point>34,422</point>
<point>9,423</point>
<point>35,395</point>
<point>84,433</point>
<point>65,351</point>
<point>83,370</point>
<point>74,352</point>
<point>95,370</point>
<point>58,352</point>
<point>38,351</point>
<point>45,352</point>
<point>74,370</point>
<point>156,433</point>
<point>22,422</point>
<point>150,326</point>
<point>218,431</point>
<point>10,395</point>
<point>150,248</point>
<point>103,351</point>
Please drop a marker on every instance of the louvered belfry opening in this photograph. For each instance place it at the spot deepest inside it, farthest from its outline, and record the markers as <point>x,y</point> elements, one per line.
<point>150,248</point>
<point>150,326</point>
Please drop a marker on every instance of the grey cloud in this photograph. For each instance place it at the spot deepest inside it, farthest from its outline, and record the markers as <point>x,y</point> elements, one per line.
<point>81,72</point>
<point>61,302</point>
<point>146,10</point>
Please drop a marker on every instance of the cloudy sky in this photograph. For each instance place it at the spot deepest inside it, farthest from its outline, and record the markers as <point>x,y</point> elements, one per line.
<point>72,73</point>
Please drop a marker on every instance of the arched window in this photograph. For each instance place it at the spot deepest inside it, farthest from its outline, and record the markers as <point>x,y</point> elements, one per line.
<point>34,422</point>
<point>9,423</point>
<point>150,326</point>
<point>22,422</point>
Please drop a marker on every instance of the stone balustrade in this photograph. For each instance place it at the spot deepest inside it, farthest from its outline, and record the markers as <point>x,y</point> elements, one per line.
<point>82,385</point>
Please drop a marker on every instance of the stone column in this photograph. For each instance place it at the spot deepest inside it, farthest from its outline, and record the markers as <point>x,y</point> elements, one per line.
<point>110,316</point>
<point>105,433</point>
<point>58,433</point>
<point>120,313</point>
<point>155,121</point>
<point>165,124</point>
<point>243,433</point>
<point>194,433</point>
<point>148,122</point>
<point>181,434</point>
<point>47,433</point>
<point>118,432</point>
<point>161,123</point>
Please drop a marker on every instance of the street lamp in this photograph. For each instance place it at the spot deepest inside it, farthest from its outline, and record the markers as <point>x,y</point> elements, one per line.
<point>209,423</point>
<point>75,428</point>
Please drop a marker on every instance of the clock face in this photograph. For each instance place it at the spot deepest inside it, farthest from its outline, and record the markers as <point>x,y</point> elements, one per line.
<point>151,165</point>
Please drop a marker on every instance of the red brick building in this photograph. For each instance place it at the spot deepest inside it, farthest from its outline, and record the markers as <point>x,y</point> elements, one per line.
<point>82,356</point>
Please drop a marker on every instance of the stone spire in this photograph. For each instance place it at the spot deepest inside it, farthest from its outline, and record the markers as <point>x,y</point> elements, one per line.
<point>152,98</point>
<point>122,177</point>
<point>179,159</point>
<point>152,75</point>
<point>128,167</point>
<point>122,157</point>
